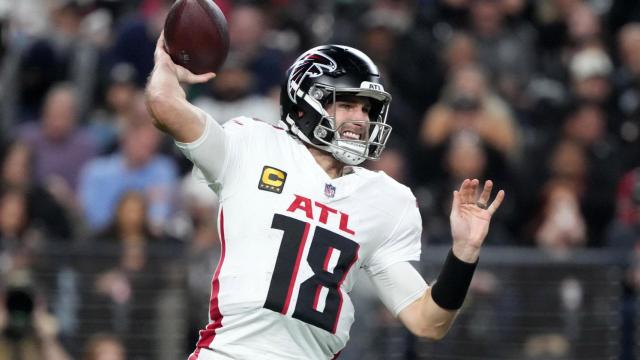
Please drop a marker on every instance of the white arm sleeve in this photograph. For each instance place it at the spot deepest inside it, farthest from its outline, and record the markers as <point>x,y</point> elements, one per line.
<point>220,153</point>
<point>207,152</point>
<point>398,286</point>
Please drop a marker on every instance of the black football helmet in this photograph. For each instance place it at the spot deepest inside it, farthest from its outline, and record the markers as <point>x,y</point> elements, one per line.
<point>314,81</point>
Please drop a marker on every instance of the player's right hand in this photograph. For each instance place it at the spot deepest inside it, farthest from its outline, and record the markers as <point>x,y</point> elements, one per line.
<point>163,62</point>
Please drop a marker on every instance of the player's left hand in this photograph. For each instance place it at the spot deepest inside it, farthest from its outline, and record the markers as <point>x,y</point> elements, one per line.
<point>470,218</point>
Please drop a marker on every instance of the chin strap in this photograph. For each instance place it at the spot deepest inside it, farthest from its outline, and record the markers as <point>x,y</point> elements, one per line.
<point>344,150</point>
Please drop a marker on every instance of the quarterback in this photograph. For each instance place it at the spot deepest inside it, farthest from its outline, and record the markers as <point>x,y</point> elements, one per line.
<point>298,217</point>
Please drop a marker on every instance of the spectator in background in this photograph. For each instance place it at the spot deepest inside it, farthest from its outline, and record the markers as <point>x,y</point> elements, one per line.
<point>464,155</point>
<point>443,16</point>
<point>561,226</point>
<point>26,246</point>
<point>582,152</point>
<point>416,74</point>
<point>467,105</point>
<point>19,23</point>
<point>134,37</point>
<point>569,162</point>
<point>18,238</point>
<point>119,100</point>
<point>624,235</point>
<point>128,285</point>
<point>46,212</point>
<point>381,28</point>
<point>91,63</point>
<point>627,89</point>
<point>70,50</point>
<point>48,59</point>
<point>60,147</point>
<point>27,330</point>
<point>383,31</point>
<point>460,52</point>
<point>104,347</point>
<point>590,70</point>
<point>564,27</point>
<point>624,232</point>
<point>515,11</point>
<point>587,125</point>
<point>136,166</point>
<point>248,31</point>
<point>234,95</point>
<point>506,53</point>
<point>584,27</point>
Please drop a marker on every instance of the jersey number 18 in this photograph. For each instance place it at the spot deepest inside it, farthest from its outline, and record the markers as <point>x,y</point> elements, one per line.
<point>323,245</point>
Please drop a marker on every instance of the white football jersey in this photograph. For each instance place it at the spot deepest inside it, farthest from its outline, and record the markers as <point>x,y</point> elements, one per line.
<point>292,240</point>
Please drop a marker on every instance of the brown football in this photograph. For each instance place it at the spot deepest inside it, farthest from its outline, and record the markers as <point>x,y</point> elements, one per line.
<point>196,35</point>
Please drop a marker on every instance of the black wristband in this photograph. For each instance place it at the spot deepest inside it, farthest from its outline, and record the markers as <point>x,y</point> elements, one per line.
<point>453,282</point>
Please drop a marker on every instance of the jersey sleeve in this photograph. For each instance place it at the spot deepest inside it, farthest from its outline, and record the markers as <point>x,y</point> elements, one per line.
<point>403,244</point>
<point>218,151</point>
<point>398,286</point>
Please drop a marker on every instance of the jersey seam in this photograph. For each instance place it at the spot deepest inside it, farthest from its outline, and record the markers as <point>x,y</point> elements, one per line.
<point>246,141</point>
<point>395,261</point>
<point>190,147</point>
<point>225,164</point>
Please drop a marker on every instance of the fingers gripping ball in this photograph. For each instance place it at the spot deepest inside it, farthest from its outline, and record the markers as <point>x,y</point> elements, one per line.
<point>196,35</point>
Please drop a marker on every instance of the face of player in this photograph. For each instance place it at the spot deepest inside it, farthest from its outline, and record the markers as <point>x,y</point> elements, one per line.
<point>352,116</point>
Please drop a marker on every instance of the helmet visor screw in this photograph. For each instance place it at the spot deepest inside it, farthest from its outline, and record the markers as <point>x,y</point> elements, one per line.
<point>320,132</point>
<point>317,94</point>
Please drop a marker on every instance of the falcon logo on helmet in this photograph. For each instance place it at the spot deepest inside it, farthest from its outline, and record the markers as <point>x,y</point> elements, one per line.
<point>317,79</point>
<point>311,64</point>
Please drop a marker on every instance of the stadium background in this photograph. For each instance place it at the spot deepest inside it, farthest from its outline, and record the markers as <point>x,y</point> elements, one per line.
<point>107,245</point>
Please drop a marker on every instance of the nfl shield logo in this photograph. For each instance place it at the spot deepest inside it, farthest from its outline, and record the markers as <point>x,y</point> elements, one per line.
<point>329,190</point>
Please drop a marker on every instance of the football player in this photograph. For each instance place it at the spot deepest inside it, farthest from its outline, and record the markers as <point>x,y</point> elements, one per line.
<point>299,217</point>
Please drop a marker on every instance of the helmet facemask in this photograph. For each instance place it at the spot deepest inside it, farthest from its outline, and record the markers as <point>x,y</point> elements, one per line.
<point>327,135</point>
<point>315,80</point>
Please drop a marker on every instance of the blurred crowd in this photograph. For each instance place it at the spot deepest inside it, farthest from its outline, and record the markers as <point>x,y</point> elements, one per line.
<point>541,96</point>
